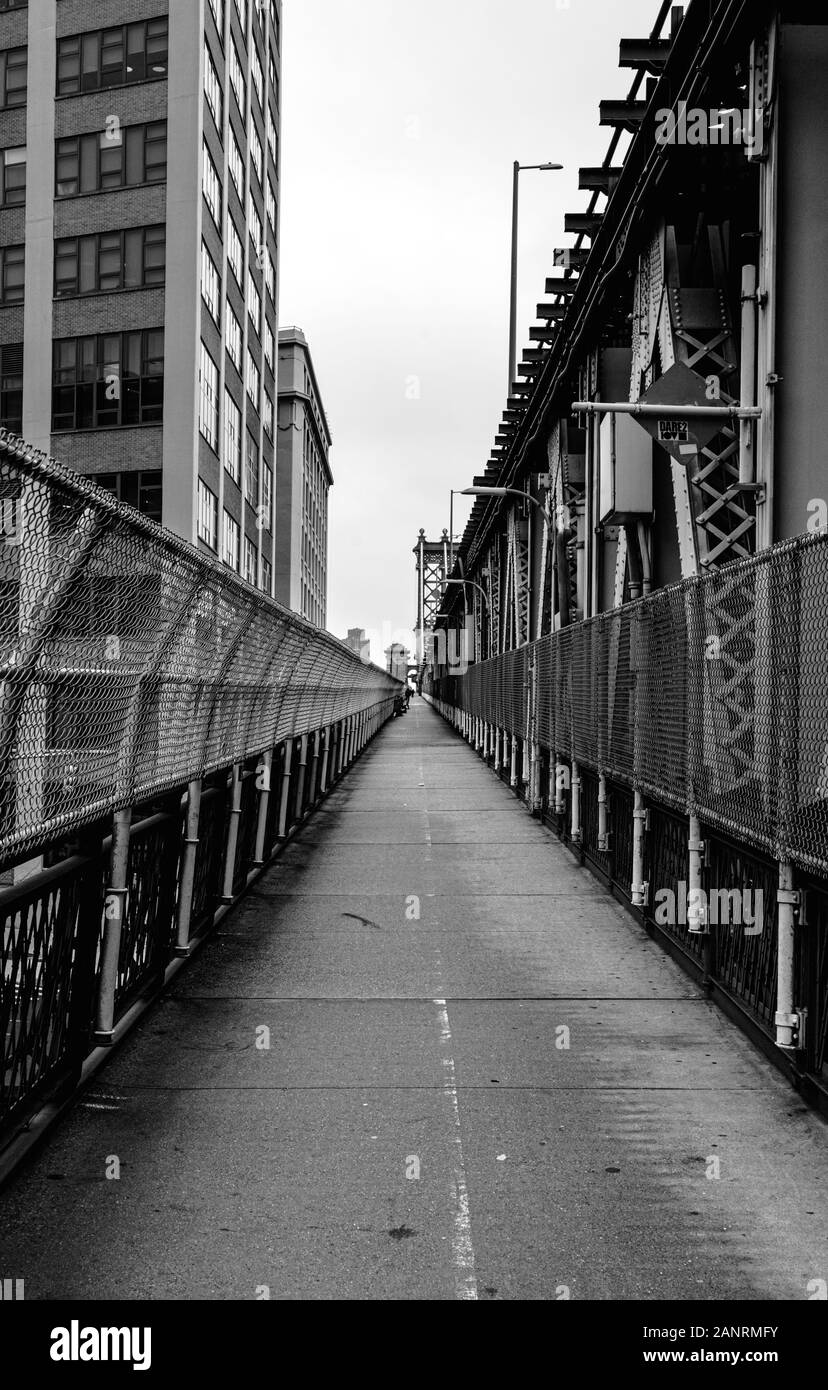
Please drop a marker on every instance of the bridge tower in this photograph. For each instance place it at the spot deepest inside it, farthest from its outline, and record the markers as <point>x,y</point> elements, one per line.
<point>432,572</point>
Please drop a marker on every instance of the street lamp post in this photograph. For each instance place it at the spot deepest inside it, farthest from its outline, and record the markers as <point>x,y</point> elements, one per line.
<point>518,170</point>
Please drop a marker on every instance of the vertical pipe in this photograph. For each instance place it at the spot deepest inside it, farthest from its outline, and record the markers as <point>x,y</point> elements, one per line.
<point>301,778</point>
<point>497,747</point>
<point>232,836</point>
<point>314,767</point>
<point>561,779</point>
<point>263,775</point>
<point>786,1017</point>
<point>576,804</point>
<point>513,286</point>
<point>603,820</point>
<point>114,915</point>
<point>639,887</point>
<point>326,761</point>
<point>184,910</point>
<point>513,767</point>
<point>697,917</point>
<point>747,451</point>
<point>283,804</point>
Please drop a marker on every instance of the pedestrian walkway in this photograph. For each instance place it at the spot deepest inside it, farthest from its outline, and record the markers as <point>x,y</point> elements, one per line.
<point>427,1058</point>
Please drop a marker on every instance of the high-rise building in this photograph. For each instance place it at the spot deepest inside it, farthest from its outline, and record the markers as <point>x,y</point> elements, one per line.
<point>303,479</point>
<point>358,643</point>
<point>139,218</point>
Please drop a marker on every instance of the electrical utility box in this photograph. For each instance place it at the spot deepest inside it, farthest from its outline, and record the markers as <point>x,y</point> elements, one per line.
<point>626,470</point>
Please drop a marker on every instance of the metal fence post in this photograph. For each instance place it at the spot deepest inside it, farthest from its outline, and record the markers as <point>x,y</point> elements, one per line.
<point>232,841</point>
<point>326,759</point>
<point>639,888</point>
<point>115,909</point>
<point>576,804</point>
<point>188,867</point>
<point>604,838</point>
<point>283,802</point>
<point>301,777</point>
<point>264,773</point>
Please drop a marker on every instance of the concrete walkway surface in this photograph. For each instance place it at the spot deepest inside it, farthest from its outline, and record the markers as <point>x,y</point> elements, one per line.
<point>428,1057</point>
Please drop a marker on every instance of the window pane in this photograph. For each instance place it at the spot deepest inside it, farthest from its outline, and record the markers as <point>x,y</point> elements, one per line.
<point>88,163</point>
<point>133,257</point>
<point>86,265</point>
<point>134,155</point>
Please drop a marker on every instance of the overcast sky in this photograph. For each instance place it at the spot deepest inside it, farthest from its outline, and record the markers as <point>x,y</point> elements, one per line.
<point>400,125</point>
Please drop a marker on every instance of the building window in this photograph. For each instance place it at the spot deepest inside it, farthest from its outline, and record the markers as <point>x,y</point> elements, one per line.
<point>254,304</point>
<point>104,261</point>
<point>253,379</point>
<point>235,252</point>
<point>14,177</point>
<point>207,515</point>
<point>271,136</point>
<point>268,415</point>
<point>254,221</point>
<point>233,337</point>
<point>217,6</point>
<point>11,387</point>
<point>237,81</point>
<point>251,472</point>
<point>232,437</point>
<point>268,345</point>
<point>272,73</point>
<point>256,154</point>
<point>210,185</point>
<point>208,398</point>
<point>123,157</point>
<point>108,379</point>
<point>266,509</point>
<point>250,561</point>
<point>210,283</point>
<point>13,69</point>
<point>258,76</point>
<point>270,276</point>
<point>141,490</point>
<point>267,575</point>
<point>12,274</point>
<point>230,546</point>
<point>270,199</point>
<point>241,9</point>
<point>212,86</point>
<point>112,57</point>
<point>236,163</point>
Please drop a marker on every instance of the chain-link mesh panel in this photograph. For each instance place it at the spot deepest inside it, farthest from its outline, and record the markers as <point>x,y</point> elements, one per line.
<point>131,663</point>
<point>657,692</point>
<point>710,696</point>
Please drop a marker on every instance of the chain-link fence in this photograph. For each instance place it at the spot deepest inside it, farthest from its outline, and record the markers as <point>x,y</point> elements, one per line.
<point>710,696</point>
<point>132,663</point>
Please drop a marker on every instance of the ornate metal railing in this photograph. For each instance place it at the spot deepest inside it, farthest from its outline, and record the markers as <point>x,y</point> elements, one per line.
<point>164,728</point>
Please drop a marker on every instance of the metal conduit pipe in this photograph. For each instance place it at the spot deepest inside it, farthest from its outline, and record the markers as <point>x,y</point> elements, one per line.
<point>603,826</point>
<point>787,1020</point>
<point>697,916</point>
<point>639,887</point>
<point>576,804</point>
